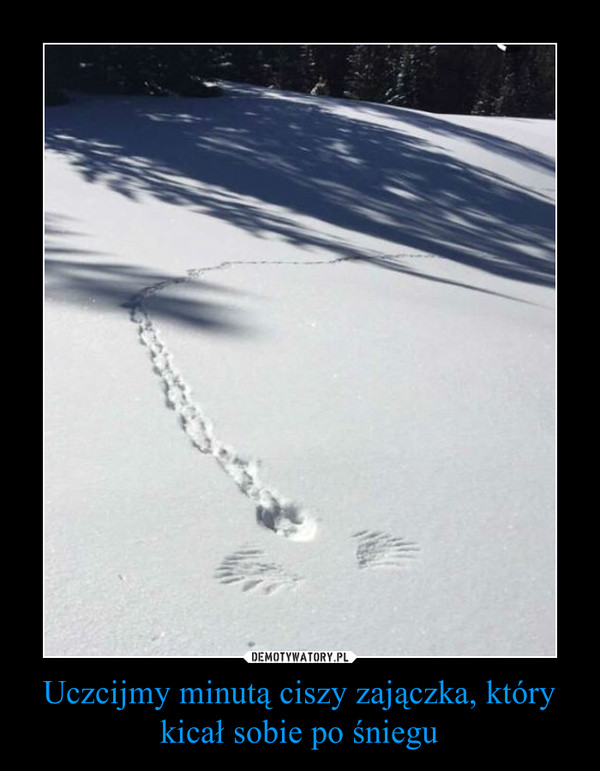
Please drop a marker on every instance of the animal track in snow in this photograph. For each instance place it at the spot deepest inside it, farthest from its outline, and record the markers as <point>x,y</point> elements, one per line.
<point>377,549</point>
<point>273,511</point>
<point>248,568</point>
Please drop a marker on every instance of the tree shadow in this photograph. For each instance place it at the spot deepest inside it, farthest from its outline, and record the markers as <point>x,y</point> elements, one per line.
<point>492,143</point>
<point>103,286</point>
<point>389,263</point>
<point>292,165</point>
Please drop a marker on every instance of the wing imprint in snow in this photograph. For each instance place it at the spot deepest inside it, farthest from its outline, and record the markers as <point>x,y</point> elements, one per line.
<point>376,549</point>
<point>248,568</point>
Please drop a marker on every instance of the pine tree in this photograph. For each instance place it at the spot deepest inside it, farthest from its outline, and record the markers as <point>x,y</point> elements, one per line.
<point>437,78</point>
<point>330,62</point>
<point>371,72</point>
<point>405,91</point>
<point>488,68</point>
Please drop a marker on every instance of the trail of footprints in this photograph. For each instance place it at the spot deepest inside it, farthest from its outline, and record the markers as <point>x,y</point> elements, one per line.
<point>248,568</point>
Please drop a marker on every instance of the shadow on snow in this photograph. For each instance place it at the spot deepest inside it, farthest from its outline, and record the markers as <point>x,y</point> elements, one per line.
<point>103,286</point>
<point>261,159</point>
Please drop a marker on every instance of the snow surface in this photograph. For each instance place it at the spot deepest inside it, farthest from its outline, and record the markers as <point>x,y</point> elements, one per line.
<point>381,343</point>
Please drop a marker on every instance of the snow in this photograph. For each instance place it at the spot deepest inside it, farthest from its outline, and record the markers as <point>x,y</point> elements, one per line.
<point>368,327</point>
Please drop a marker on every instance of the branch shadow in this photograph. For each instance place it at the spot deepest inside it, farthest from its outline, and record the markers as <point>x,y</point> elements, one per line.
<point>492,143</point>
<point>271,162</point>
<point>103,286</point>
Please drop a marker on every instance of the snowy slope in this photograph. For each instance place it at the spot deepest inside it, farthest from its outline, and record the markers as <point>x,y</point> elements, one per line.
<point>273,315</point>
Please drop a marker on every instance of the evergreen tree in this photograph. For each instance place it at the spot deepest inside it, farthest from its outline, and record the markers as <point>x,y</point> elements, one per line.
<point>286,67</point>
<point>415,80</point>
<point>461,79</point>
<point>544,65</point>
<point>371,72</point>
<point>405,91</point>
<point>331,63</point>
<point>452,83</point>
<point>489,63</point>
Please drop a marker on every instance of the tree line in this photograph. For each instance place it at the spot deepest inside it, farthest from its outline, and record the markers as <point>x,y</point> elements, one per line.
<point>443,78</point>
